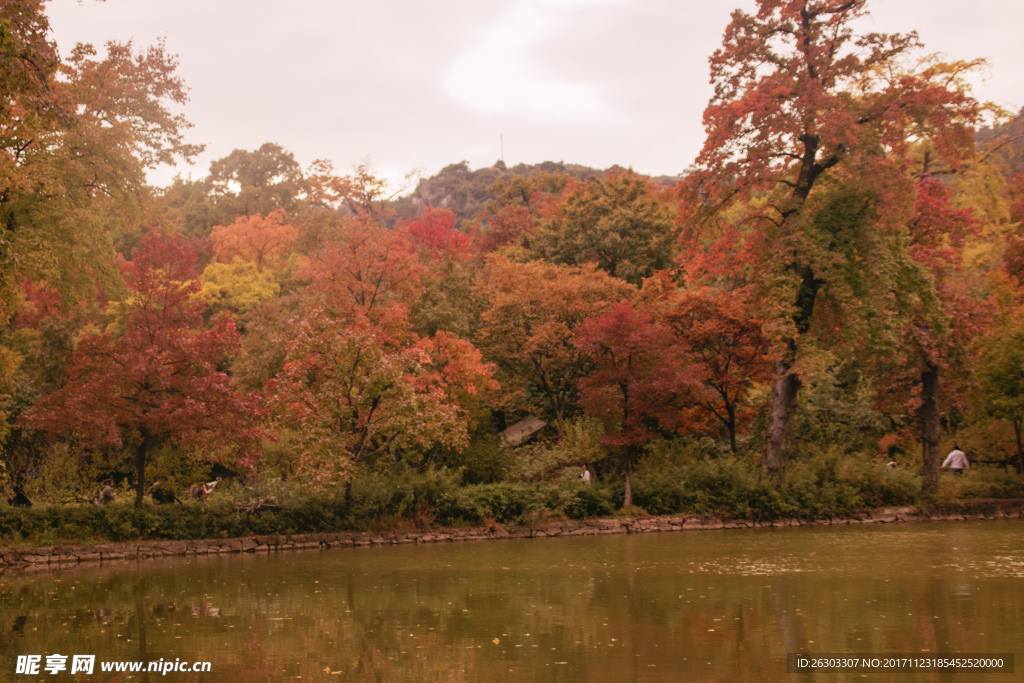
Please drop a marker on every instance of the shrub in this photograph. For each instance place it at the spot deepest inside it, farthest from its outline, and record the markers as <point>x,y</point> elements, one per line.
<point>827,483</point>
<point>588,502</point>
<point>981,482</point>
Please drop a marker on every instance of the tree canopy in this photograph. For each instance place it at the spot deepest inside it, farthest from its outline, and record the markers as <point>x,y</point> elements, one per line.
<point>809,134</point>
<point>839,274</point>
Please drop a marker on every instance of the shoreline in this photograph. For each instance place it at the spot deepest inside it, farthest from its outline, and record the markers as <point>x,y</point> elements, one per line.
<point>69,555</point>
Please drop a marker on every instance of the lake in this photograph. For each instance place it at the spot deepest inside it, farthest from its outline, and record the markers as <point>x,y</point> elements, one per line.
<point>710,606</point>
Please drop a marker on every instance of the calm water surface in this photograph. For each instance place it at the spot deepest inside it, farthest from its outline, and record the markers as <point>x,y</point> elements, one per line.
<point>699,606</point>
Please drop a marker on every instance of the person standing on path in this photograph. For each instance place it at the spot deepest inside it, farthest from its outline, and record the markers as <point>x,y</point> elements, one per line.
<point>957,461</point>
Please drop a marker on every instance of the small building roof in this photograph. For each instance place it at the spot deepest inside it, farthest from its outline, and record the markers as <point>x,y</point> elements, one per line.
<point>522,430</point>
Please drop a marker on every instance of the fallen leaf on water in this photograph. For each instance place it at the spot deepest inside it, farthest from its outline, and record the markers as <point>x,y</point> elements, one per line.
<point>495,641</point>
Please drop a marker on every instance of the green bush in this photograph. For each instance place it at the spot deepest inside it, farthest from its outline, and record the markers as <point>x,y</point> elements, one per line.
<point>486,460</point>
<point>588,502</point>
<point>822,485</point>
<point>825,484</point>
<point>725,486</point>
<point>506,502</point>
<point>375,496</point>
<point>372,502</point>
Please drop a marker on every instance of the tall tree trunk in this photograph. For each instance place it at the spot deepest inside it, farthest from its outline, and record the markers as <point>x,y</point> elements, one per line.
<point>931,430</point>
<point>140,468</point>
<point>627,502</point>
<point>787,384</point>
<point>780,422</point>
<point>731,426</point>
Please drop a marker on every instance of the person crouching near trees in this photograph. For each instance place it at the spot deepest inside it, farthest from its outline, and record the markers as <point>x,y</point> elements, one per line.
<point>957,461</point>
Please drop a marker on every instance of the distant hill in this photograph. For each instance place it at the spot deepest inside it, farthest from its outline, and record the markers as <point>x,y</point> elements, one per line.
<point>1006,142</point>
<point>464,191</point>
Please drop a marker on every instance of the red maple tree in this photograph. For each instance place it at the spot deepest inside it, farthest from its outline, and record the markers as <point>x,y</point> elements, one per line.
<point>369,273</point>
<point>723,337</point>
<point>639,383</point>
<point>436,235</point>
<point>158,379</point>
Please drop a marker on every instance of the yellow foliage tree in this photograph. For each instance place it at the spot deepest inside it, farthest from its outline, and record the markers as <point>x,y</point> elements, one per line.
<point>236,286</point>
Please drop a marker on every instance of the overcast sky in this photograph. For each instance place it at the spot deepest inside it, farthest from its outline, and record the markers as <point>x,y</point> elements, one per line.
<point>409,83</point>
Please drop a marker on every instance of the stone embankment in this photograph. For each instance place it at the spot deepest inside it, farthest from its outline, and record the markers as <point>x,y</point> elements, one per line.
<point>60,555</point>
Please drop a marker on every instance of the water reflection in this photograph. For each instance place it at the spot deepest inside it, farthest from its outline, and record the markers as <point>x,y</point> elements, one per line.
<point>718,606</point>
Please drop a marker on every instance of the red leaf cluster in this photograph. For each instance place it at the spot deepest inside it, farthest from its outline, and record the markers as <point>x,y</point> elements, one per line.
<point>369,273</point>
<point>159,380</point>
<point>436,234</point>
<point>641,375</point>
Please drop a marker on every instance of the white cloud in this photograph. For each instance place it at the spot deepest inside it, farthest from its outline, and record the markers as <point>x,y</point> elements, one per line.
<point>495,76</point>
<point>412,83</point>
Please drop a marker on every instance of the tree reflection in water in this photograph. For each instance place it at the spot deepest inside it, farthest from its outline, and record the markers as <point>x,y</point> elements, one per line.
<point>717,606</point>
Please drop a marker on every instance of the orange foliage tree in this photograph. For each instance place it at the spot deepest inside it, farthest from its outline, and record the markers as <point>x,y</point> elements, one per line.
<point>510,219</point>
<point>358,384</point>
<point>354,398</point>
<point>369,273</point>
<point>258,239</point>
<point>529,324</point>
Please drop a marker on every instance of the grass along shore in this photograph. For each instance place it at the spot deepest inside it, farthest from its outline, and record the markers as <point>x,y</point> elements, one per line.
<point>725,489</point>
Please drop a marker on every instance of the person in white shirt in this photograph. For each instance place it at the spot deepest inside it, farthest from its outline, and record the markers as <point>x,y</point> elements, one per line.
<point>957,461</point>
<point>585,475</point>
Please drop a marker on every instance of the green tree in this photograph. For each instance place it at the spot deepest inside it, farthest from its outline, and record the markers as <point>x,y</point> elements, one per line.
<point>256,182</point>
<point>244,183</point>
<point>622,222</point>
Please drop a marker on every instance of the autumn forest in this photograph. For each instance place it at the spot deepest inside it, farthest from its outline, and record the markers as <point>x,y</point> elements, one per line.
<point>805,321</point>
